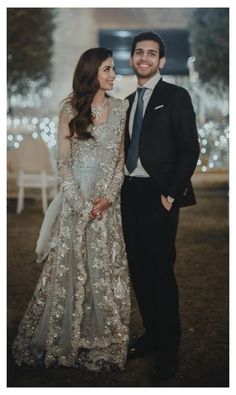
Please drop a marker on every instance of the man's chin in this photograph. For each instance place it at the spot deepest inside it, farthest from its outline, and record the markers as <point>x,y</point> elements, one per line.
<point>144,74</point>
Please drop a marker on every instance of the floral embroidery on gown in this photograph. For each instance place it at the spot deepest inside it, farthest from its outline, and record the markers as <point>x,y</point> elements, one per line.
<point>79,313</point>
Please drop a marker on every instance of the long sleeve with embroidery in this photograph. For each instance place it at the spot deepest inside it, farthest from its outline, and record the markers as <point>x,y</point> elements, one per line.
<point>68,184</point>
<point>115,185</point>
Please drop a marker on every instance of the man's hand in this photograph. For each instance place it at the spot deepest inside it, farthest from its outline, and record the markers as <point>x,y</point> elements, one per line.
<point>99,206</point>
<point>165,203</point>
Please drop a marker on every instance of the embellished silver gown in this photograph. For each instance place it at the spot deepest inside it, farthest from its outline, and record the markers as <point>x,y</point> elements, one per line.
<point>79,313</point>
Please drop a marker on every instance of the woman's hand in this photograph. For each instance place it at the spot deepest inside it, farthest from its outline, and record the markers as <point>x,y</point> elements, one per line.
<point>99,206</point>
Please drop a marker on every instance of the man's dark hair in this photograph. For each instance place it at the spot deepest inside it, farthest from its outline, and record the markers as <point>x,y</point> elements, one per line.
<point>144,36</point>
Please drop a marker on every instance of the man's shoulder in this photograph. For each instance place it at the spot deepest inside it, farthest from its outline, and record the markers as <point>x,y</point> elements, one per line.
<point>167,87</point>
<point>173,89</point>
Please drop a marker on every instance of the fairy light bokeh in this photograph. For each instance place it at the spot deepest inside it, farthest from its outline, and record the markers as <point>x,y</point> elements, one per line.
<point>211,112</point>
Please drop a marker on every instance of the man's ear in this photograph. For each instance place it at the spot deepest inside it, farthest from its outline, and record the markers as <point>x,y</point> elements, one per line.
<point>162,62</point>
<point>131,61</point>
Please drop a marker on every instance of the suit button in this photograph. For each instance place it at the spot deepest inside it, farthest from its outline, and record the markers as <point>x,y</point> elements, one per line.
<point>185,191</point>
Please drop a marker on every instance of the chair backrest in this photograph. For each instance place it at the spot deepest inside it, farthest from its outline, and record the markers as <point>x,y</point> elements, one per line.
<point>34,156</point>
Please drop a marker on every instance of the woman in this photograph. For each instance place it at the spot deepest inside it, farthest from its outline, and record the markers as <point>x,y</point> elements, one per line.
<point>79,314</point>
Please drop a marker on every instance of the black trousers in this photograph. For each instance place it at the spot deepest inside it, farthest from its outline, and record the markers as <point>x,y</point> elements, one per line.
<point>150,233</point>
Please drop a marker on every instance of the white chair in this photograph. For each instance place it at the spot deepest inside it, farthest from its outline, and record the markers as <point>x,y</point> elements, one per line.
<point>35,171</point>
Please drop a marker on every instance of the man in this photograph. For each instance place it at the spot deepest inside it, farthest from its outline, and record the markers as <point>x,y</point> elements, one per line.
<point>161,148</point>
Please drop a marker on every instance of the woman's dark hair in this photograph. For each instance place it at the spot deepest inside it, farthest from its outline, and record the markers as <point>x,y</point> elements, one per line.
<point>85,86</point>
<point>144,36</point>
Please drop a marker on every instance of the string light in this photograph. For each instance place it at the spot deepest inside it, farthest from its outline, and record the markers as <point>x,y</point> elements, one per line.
<point>213,138</point>
<point>211,113</point>
<point>44,128</point>
<point>34,121</point>
<point>35,135</point>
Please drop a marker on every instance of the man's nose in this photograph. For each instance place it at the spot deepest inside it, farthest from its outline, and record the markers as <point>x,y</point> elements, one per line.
<point>144,56</point>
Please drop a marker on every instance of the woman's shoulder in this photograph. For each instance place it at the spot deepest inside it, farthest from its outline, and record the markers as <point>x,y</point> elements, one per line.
<point>67,109</point>
<point>119,104</point>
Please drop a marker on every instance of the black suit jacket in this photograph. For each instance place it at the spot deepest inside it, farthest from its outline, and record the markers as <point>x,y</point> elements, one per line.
<point>168,145</point>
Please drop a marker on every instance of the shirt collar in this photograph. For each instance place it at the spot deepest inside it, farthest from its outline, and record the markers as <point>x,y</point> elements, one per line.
<point>150,84</point>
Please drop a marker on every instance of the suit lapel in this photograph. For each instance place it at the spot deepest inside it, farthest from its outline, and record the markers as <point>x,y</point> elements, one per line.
<point>156,99</point>
<point>127,136</point>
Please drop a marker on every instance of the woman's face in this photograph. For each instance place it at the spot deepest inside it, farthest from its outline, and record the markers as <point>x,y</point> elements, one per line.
<point>106,74</point>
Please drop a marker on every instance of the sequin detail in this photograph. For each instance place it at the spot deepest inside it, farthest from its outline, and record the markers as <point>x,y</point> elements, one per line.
<point>79,313</point>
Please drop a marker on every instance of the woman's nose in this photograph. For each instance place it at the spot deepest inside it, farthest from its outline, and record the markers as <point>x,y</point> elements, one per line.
<point>113,74</point>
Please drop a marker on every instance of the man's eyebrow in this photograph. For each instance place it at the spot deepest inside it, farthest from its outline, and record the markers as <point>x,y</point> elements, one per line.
<point>149,50</point>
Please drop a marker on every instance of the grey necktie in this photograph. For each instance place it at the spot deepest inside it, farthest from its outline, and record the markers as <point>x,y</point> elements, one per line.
<point>133,151</point>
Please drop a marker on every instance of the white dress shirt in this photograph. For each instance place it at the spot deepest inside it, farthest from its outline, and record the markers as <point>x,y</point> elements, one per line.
<point>150,85</point>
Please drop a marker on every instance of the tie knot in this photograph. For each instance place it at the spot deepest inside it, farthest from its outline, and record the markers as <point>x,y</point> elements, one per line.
<point>141,92</point>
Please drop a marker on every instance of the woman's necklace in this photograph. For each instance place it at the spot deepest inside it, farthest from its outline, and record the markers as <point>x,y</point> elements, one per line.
<point>97,111</point>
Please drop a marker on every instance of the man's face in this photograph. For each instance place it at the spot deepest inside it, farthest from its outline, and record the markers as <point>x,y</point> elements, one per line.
<point>145,60</point>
